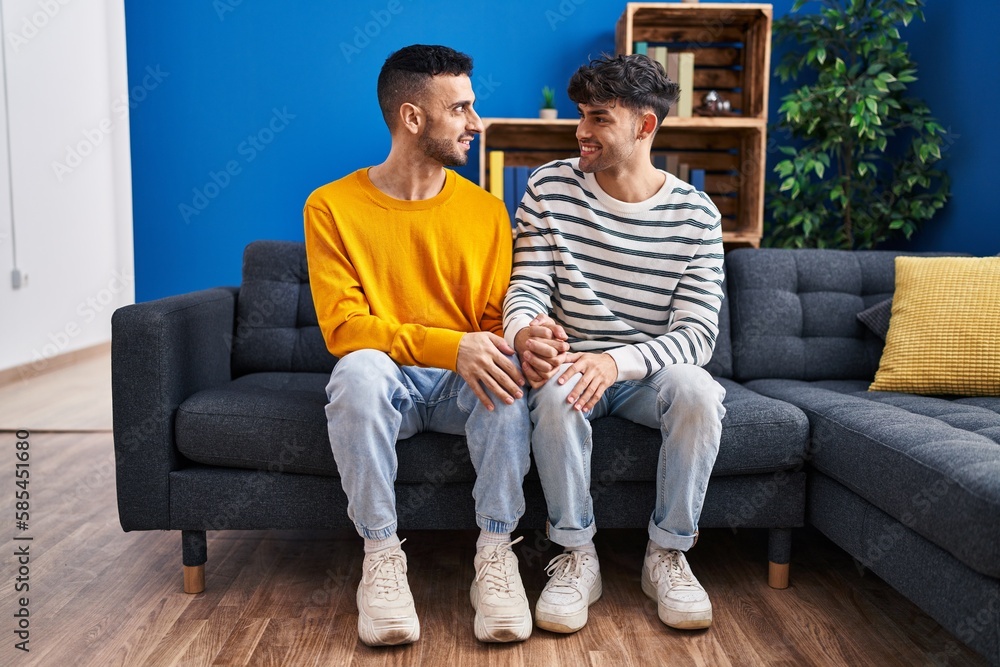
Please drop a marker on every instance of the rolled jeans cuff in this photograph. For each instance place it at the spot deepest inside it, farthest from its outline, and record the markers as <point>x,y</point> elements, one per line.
<point>494,526</point>
<point>376,534</point>
<point>668,540</point>
<point>573,538</point>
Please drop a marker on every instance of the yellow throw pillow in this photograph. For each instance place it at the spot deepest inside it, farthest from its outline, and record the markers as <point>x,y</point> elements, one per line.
<point>944,333</point>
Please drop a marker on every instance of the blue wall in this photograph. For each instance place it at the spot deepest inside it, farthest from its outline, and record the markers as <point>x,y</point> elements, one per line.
<point>958,53</point>
<point>240,109</point>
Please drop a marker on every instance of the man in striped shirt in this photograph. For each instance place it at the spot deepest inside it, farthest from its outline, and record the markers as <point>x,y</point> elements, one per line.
<point>622,262</point>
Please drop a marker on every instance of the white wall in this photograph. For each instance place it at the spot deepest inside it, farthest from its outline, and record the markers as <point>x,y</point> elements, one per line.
<point>67,87</point>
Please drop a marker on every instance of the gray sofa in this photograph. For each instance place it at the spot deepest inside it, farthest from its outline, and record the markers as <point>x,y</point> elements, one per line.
<point>219,424</point>
<point>908,485</point>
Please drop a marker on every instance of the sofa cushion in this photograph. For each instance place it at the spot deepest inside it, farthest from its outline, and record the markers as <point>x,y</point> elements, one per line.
<point>988,402</point>
<point>759,434</point>
<point>260,421</point>
<point>931,463</point>
<point>276,325</point>
<point>794,312</point>
<point>721,363</point>
<point>877,318</point>
<point>945,327</point>
<point>277,422</point>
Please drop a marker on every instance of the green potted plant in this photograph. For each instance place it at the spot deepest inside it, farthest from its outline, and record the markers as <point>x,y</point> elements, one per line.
<point>862,166</point>
<point>548,109</point>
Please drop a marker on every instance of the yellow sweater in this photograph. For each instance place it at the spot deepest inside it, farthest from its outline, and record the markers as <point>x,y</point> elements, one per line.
<point>408,278</point>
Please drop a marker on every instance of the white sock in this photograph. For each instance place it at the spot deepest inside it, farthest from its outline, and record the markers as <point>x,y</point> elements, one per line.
<point>587,548</point>
<point>652,546</point>
<point>371,546</point>
<point>487,538</point>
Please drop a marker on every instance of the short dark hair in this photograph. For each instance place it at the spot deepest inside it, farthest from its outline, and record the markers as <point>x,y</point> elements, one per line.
<point>639,83</point>
<point>406,73</point>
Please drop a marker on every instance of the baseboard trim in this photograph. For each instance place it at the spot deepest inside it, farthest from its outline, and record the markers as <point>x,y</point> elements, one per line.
<point>37,368</point>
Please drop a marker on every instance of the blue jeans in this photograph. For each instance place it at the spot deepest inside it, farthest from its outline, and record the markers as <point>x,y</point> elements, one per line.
<point>683,401</point>
<point>374,402</point>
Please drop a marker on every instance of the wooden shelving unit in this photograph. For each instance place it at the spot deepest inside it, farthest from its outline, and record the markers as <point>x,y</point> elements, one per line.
<point>732,47</point>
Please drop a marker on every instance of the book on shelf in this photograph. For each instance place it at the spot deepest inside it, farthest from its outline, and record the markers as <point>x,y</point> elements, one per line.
<point>659,54</point>
<point>674,75</point>
<point>698,179</point>
<point>641,48</point>
<point>521,176</point>
<point>670,162</point>
<point>673,163</point>
<point>496,173</point>
<point>685,79</point>
<point>514,184</point>
<point>509,196</point>
<point>679,67</point>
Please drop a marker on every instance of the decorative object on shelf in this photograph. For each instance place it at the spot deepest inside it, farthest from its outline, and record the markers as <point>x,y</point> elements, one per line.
<point>712,104</point>
<point>548,110</point>
<point>862,165</point>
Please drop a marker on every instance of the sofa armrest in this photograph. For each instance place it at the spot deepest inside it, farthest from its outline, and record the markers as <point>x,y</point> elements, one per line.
<point>162,352</point>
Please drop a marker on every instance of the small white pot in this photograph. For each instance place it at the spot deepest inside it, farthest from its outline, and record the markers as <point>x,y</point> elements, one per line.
<point>548,114</point>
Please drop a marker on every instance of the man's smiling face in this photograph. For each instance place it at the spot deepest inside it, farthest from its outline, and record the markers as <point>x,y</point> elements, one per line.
<point>452,123</point>
<point>607,136</point>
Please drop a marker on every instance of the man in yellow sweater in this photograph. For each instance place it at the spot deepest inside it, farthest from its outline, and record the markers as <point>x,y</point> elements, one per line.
<point>408,264</point>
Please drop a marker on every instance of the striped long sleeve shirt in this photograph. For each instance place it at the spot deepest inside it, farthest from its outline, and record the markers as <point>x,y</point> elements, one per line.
<point>640,281</point>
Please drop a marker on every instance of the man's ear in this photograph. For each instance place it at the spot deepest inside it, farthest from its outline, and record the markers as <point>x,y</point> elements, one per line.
<point>411,117</point>
<point>647,126</point>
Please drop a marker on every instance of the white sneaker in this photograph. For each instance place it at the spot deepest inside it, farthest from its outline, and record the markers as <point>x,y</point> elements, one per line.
<point>386,614</point>
<point>681,601</point>
<point>497,594</point>
<point>574,584</point>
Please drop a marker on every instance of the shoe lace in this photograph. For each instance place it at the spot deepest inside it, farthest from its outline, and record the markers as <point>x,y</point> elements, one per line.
<point>567,568</point>
<point>680,577</point>
<point>495,569</point>
<point>388,572</point>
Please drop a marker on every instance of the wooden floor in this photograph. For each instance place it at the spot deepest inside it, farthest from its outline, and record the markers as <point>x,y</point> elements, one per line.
<point>99,596</point>
<point>103,597</point>
<point>74,398</point>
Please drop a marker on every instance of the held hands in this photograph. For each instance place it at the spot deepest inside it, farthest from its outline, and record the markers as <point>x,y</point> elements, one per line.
<point>482,364</point>
<point>599,371</point>
<point>541,346</point>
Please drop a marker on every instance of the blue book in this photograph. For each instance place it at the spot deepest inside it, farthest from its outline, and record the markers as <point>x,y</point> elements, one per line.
<point>642,47</point>
<point>510,198</point>
<point>698,179</point>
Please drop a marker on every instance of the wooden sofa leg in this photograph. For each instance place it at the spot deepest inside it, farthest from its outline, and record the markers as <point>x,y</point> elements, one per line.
<point>777,575</point>
<point>195,552</point>
<point>194,578</point>
<point>779,552</point>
